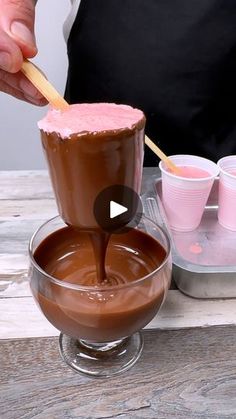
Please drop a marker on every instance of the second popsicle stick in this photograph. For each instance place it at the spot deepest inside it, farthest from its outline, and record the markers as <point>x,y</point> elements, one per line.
<point>168,162</point>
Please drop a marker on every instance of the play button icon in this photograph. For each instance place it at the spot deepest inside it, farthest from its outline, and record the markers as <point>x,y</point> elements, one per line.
<point>117,208</point>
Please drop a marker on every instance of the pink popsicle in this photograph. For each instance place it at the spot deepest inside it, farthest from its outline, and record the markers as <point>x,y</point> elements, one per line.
<point>93,117</point>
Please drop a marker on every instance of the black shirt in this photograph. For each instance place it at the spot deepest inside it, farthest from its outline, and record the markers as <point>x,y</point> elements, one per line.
<point>174,59</point>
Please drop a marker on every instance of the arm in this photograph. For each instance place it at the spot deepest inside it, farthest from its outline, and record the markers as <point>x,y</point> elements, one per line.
<point>17,40</point>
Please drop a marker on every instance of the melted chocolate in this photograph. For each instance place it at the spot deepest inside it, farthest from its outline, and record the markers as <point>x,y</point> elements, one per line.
<point>100,313</point>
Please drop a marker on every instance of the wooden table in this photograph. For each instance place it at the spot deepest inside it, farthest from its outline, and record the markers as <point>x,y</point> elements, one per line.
<point>187,369</point>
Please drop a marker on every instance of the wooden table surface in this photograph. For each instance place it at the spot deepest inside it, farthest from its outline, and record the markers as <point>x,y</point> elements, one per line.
<point>188,366</point>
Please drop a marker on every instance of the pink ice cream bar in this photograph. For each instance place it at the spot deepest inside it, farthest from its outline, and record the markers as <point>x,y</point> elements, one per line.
<point>92,117</point>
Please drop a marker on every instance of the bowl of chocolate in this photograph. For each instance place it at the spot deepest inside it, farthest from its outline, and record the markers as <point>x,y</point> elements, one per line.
<point>98,287</point>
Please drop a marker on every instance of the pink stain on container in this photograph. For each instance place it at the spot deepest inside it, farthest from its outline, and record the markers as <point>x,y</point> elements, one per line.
<point>184,196</point>
<point>227,192</point>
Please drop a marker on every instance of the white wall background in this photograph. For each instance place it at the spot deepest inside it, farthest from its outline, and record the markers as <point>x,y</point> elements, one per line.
<point>20,146</point>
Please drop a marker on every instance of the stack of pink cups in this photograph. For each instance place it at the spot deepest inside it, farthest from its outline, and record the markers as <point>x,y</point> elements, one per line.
<point>184,195</point>
<point>227,192</point>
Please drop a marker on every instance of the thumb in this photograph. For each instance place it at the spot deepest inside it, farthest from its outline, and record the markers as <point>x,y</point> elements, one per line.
<point>17,20</point>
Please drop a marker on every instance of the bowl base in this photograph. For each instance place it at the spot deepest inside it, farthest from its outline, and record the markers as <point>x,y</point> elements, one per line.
<point>101,359</point>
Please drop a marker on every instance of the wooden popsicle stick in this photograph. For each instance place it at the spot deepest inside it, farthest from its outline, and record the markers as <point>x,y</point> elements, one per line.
<point>175,169</point>
<point>43,85</point>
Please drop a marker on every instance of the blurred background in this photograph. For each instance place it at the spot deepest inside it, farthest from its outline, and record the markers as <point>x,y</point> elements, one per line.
<point>20,146</point>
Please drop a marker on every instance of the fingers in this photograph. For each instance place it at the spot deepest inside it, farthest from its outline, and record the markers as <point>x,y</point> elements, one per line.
<point>10,54</point>
<point>17,85</point>
<point>17,20</point>
<point>19,95</point>
<point>17,39</point>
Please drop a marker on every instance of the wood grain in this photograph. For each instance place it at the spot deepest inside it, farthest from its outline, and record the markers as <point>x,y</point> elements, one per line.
<point>15,235</point>
<point>25,185</point>
<point>185,373</point>
<point>15,210</point>
<point>178,312</point>
<point>181,374</point>
<point>35,184</point>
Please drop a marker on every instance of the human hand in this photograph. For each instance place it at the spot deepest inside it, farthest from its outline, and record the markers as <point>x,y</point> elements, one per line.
<point>17,41</point>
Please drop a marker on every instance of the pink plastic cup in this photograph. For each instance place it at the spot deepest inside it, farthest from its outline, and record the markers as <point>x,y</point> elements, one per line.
<point>184,198</point>
<point>227,192</point>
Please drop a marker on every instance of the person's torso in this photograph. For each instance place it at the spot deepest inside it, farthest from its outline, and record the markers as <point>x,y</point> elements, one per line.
<point>174,59</point>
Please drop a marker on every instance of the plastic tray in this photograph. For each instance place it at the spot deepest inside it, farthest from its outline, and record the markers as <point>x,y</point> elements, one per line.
<point>204,260</point>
